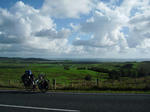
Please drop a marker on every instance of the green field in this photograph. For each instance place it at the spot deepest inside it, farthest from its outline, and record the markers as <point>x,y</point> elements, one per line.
<point>71,75</point>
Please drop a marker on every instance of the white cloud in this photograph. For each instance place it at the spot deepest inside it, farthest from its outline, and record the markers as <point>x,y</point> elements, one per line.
<point>139,26</point>
<point>24,28</point>
<point>27,31</point>
<point>66,8</point>
<point>21,21</point>
<point>106,26</point>
<point>53,34</point>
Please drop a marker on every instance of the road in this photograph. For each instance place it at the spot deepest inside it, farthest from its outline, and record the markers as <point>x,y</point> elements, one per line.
<point>19,101</point>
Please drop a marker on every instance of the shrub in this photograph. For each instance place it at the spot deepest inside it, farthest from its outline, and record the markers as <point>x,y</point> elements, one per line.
<point>66,67</point>
<point>88,77</point>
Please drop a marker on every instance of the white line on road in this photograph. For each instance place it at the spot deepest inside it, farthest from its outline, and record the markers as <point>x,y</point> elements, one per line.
<point>38,108</point>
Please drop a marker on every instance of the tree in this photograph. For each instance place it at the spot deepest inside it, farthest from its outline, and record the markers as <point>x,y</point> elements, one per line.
<point>88,77</point>
<point>114,75</point>
<point>66,67</point>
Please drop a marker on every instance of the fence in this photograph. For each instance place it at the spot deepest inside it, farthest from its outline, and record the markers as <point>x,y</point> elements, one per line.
<point>87,85</point>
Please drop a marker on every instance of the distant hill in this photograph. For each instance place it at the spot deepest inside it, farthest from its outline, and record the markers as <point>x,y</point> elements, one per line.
<point>74,59</point>
<point>22,59</point>
<point>105,59</point>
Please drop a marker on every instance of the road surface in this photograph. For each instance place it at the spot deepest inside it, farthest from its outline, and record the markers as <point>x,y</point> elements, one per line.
<point>19,101</point>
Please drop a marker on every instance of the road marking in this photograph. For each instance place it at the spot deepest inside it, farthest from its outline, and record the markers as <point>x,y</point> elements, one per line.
<point>38,108</point>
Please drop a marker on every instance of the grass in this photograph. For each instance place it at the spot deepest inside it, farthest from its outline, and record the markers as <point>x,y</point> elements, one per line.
<point>106,91</point>
<point>72,79</point>
<point>14,71</point>
<point>83,91</point>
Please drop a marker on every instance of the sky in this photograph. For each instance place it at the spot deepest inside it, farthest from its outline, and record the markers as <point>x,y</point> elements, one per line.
<point>75,28</point>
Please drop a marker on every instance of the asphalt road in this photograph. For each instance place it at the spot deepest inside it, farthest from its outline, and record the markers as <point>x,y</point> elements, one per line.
<point>15,101</point>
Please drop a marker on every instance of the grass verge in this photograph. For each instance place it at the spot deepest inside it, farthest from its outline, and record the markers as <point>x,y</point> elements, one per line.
<point>84,91</point>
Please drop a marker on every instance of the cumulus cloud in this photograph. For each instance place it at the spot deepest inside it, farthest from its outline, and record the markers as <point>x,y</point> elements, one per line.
<point>22,28</point>
<point>9,39</point>
<point>105,26</point>
<point>108,23</point>
<point>101,33</point>
<point>22,20</point>
<point>139,25</point>
<point>66,8</point>
<point>139,29</point>
<point>53,34</point>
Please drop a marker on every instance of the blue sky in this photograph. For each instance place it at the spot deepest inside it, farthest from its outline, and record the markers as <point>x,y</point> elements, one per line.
<point>10,3</point>
<point>75,29</point>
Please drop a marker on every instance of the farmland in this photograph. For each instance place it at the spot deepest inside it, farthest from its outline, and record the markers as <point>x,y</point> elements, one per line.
<point>76,75</point>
